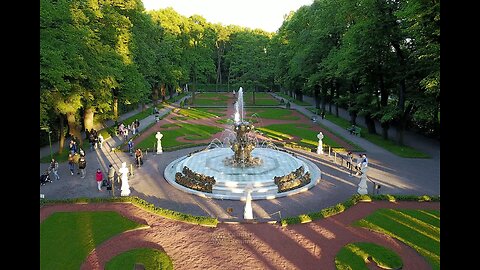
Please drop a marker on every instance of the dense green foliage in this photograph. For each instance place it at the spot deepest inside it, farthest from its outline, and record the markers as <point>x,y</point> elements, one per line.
<point>379,59</point>
<point>354,256</point>
<point>66,238</point>
<point>150,258</point>
<point>419,229</point>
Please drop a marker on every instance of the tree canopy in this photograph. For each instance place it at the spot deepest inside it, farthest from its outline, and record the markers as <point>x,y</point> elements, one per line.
<point>376,58</point>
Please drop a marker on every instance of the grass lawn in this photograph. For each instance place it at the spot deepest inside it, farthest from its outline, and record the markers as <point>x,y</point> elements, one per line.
<point>287,131</point>
<point>355,255</point>
<point>190,131</point>
<point>66,238</point>
<point>150,258</point>
<point>420,229</point>
<point>261,99</point>
<point>211,99</point>
<point>298,102</point>
<point>271,113</point>
<point>389,145</point>
<point>194,113</point>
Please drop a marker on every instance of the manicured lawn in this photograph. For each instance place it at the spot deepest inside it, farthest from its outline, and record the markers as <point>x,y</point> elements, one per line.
<point>194,113</point>
<point>271,113</point>
<point>209,99</point>
<point>66,238</point>
<point>150,258</point>
<point>354,256</point>
<point>420,229</point>
<point>307,136</point>
<point>188,131</point>
<point>261,99</point>
<point>389,145</point>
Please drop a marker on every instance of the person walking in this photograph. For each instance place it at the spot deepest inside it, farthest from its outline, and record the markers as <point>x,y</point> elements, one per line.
<point>130,147</point>
<point>99,178</point>
<point>139,157</point>
<point>350,162</point>
<point>363,164</point>
<point>82,164</point>
<point>54,168</point>
<point>111,177</point>
<point>71,164</point>
<point>137,126</point>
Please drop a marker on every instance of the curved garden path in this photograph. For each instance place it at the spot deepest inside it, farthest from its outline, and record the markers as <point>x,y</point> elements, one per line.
<point>246,246</point>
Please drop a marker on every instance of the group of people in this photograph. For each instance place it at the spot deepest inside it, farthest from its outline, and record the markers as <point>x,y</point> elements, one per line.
<point>124,130</point>
<point>108,182</point>
<point>362,163</point>
<point>96,139</point>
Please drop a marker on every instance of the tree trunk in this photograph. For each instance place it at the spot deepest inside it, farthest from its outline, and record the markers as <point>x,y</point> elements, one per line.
<point>61,141</point>
<point>337,95</point>
<point>316,95</point>
<point>324,98</point>
<point>219,69</point>
<point>163,92</point>
<point>403,117</point>
<point>383,103</point>
<point>330,98</point>
<point>88,118</point>
<point>353,118</point>
<point>253,95</point>
<point>155,94</point>
<point>170,90</point>
<point>73,129</point>
<point>299,95</point>
<point>115,108</point>
<point>370,123</point>
<point>385,127</point>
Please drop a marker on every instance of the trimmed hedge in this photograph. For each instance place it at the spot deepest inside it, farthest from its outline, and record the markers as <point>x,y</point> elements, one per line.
<point>200,220</point>
<point>340,207</point>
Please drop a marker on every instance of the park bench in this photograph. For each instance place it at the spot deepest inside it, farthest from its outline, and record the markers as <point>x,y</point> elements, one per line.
<point>355,130</point>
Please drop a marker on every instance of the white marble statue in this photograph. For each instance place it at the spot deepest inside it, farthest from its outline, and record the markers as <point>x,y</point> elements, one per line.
<point>320,143</point>
<point>248,211</point>
<point>159,137</point>
<point>124,174</point>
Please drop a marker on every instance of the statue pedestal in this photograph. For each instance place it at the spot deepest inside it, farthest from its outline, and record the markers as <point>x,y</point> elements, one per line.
<point>248,211</point>
<point>320,148</point>
<point>362,186</point>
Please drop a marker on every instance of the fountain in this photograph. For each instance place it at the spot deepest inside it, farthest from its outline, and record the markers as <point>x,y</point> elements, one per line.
<point>239,166</point>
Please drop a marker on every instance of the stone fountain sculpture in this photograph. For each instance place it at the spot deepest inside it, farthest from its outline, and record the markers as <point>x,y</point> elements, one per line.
<point>244,142</point>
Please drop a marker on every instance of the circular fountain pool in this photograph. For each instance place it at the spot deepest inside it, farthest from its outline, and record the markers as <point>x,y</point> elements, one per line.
<point>231,182</point>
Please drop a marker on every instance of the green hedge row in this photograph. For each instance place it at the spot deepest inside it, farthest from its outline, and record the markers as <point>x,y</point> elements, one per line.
<point>200,220</point>
<point>340,207</point>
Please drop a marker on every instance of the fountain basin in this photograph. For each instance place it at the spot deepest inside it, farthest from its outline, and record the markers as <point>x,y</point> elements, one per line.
<point>232,182</point>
